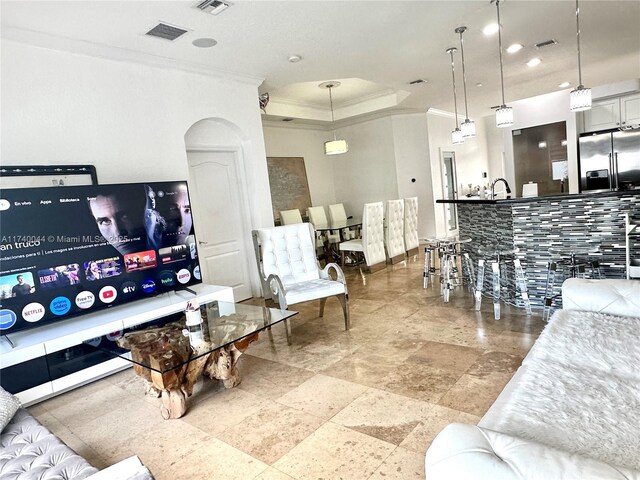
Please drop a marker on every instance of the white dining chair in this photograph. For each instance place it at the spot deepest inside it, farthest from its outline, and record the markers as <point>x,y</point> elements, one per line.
<point>372,242</point>
<point>318,218</point>
<point>411,226</point>
<point>290,217</point>
<point>290,272</point>
<point>338,214</point>
<point>394,231</point>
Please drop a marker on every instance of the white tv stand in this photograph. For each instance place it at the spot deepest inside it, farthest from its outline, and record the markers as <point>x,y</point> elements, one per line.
<point>33,346</point>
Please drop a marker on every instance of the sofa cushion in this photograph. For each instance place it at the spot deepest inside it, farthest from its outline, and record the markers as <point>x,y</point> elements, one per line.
<point>9,405</point>
<point>610,296</point>
<point>467,452</point>
<point>591,341</point>
<point>28,451</point>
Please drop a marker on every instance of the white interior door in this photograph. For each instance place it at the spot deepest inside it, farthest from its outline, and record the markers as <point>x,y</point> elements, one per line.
<point>449,187</point>
<point>220,219</point>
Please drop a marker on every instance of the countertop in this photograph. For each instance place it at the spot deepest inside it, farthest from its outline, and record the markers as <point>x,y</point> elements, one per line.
<point>567,197</point>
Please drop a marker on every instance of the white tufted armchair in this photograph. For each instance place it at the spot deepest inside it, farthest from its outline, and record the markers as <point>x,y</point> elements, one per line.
<point>372,241</point>
<point>411,225</point>
<point>394,231</point>
<point>290,273</point>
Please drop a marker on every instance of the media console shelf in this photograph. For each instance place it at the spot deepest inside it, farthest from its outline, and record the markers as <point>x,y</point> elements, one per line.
<point>46,361</point>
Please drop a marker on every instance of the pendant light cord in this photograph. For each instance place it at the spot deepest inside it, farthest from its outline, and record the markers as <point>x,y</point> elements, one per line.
<point>500,44</point>
<point>578,37</point>
<point>331,103</point>
<point>453,75</point>
<point>464,78</point>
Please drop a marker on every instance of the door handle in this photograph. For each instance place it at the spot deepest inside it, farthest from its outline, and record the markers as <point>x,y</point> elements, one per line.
<point>612,174</point>
<point>615,166</point>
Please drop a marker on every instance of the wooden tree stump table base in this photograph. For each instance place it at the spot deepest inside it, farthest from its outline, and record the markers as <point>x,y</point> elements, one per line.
<point>161,347</point>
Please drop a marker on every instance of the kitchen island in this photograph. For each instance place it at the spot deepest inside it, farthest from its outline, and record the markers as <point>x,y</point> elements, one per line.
<point>537,226</point>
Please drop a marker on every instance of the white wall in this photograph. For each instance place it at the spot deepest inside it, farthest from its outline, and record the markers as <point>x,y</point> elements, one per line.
<point>542,110</point>
<point>411,148</point>
<point>471,160</point>
<point>292,141</point>
<point>127,119</point>
<point>367,173</point>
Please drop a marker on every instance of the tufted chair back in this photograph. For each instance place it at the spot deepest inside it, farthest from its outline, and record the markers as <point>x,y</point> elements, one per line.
<point>411,223</point>
<point>289,217</point>
<point>394,233</point>
<point>373,233</point>
<point>288,251</point>
<point>317,217</point>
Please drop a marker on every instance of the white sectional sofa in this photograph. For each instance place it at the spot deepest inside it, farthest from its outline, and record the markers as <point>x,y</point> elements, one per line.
<point>572,410</point>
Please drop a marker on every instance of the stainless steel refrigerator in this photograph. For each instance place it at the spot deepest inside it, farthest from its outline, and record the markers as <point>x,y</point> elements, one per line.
<point>610,161</point>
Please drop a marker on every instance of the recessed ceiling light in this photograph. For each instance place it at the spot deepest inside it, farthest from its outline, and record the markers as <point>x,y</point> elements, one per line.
<point>204,42</point>
<point>534,62</point>
<point>564,85</point>
<point>491,29</point>
<point>516,47</point>
<point>478,84</point>
<point>295,58</point>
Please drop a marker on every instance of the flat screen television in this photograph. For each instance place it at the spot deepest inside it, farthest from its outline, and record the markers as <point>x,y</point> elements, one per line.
<point>67,251</point>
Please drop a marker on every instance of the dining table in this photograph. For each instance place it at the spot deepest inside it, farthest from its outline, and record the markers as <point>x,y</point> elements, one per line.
<point>340,226</point>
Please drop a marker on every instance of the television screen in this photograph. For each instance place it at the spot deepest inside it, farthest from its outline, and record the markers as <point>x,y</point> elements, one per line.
<point>65,251</point>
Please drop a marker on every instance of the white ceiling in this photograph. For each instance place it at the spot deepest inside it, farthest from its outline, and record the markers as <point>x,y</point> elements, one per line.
<point>373,47</point>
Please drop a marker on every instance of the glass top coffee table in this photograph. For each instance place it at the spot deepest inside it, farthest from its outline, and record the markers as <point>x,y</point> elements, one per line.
<point>170,356</point>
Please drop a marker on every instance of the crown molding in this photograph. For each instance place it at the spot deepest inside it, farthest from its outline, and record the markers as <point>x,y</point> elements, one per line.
<point>81,47</point>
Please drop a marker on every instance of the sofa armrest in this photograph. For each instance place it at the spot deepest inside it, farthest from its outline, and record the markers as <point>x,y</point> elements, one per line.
<point>128,469</point>
<point>611,296</point>
<point>468,452</point>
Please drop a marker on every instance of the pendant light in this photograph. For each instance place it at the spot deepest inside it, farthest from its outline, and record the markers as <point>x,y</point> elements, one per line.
<point>456,135</point>
<point>335,146</point>
<point>504,114</point>
<point>468,127</point>
<point>580,98</point>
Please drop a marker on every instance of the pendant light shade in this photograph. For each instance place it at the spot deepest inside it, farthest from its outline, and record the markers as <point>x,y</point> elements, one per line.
<point>335,146</point>
<point>580,98</point>
<point>468,127</point>
<point>504,114</point>
<point>456,135</point>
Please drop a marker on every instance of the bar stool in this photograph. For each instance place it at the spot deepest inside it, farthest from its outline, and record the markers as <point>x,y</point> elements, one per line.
<point>433,246</point>
<point>576,261</point>
<point>451,276</point>
<point>496,258</point>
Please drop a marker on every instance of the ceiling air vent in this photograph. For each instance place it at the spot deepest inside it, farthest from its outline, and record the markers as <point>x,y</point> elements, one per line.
<point>548,43</point>
<point>287,119</point>
<point>418,81</point>
<point>214,7</point>
<point>168,32</point>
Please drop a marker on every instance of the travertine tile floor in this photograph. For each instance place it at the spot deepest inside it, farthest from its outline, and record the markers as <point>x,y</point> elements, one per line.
<point>362,404</point>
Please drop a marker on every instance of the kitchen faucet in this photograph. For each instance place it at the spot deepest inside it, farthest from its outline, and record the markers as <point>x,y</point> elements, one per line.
<point>493,187</point>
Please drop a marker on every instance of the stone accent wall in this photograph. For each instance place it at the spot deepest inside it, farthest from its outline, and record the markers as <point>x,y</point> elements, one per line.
<point>541,227</point>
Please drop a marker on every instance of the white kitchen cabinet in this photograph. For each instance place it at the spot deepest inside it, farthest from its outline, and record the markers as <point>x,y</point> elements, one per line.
<point>613,112</point>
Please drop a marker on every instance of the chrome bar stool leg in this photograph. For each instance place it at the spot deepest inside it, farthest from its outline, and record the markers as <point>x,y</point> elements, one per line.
<point>548,290</point>
<point>479,284</point>
<point>495,267</point>
<point>470,273</point>
<point>446,279</point>
<point>521,282</point>
<point>427,267</point>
